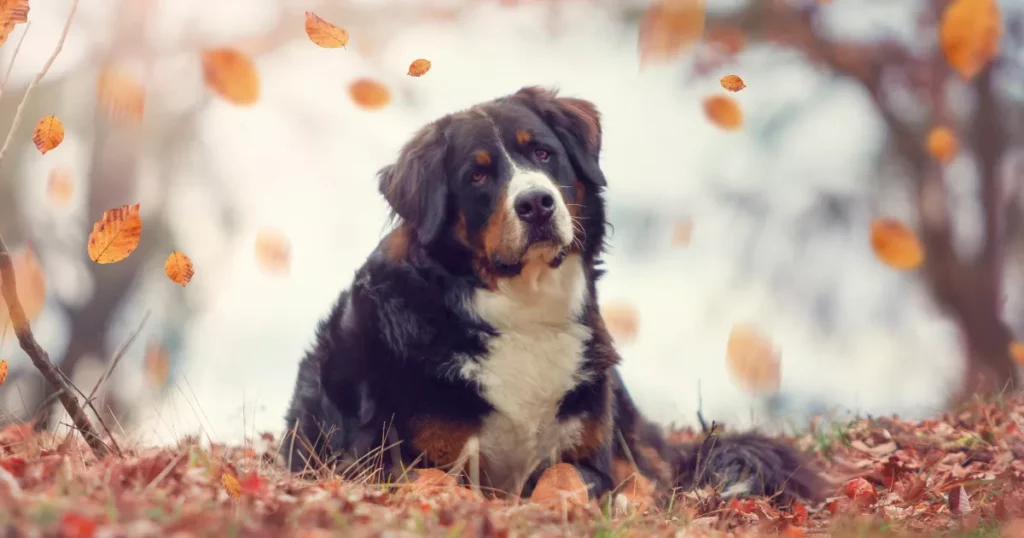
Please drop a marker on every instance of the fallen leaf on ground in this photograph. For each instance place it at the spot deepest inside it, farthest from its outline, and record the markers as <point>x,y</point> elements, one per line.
<point>861,491</point>
<point>723,111</point>
<point>369,94</point>
<point>969,35</point>
<point>121,95</point>
<point>942,144</point>
<point>116,234</point>
<point>959,501</point>
<point>896,245</point>
<point>668,28</point>
<point>419,67</point>
<point>432,479</point>
<point>179,268</point>
<point>559,485</point>
<point>752,360</point>
<point>59,187</point>
<point>73,525</point>
<point>48,134</point>
<point>231,75</point>
<point>30,280</point>
<point>732,83</point>
<point>231,485</point>
<point>273,252</point>
<point>622,320</point>
<point>323,33</point>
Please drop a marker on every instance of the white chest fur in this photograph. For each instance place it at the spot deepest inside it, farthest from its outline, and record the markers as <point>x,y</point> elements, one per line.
<point>532,364</point>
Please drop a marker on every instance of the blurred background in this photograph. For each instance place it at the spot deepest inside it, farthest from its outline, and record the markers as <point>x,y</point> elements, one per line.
<point>274,196</point>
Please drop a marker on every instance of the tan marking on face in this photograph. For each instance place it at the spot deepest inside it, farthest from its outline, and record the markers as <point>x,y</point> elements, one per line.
<point>441,441</point>
<point>482,157</point>
<point>494,232</point>
<point>462,230</point>
<point>523,137</point>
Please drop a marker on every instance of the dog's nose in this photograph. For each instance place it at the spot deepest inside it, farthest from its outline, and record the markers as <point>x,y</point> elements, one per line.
<point>535,206</point>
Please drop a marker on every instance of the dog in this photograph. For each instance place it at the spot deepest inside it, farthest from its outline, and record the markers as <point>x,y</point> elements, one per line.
<point>473,333</point>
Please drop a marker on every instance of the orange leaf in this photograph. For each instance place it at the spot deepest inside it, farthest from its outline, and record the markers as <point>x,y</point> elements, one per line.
<point>724,112</point>
<point>30,282</point>
<point>273,252</point>
<point>733,83</point>
<point>231,485</point>
<point>419,67</point>
<point>668,28</point>
<point>895,244</point>
<point>156,365</point>
<point>622,320</point>
<point>681,233</point>
<point>3,367</point>
<point>232,75</point>
<point>942,144</point>
<point>74,525</point>
<point>48,134</point>
<point>369,93</point>
<point>324,33</point>
<point>752,360</point>
<point>116,234</point>
<point>12,12</point>
<point>179,268</point>
<point>59,187</point>
<point>1017,351</point>
<point>122,95</point>
<point>969,35</point>
<point>431,479</point>
<point>559,484</point>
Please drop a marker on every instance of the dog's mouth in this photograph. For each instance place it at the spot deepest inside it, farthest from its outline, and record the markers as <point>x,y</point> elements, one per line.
<point>549,252</point>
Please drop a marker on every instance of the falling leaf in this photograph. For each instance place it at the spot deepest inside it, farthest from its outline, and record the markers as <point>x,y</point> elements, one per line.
<point>231,485</point>
<point>12,12</point>
<point>48,134</point>
<point>942,143</point>
<point>752,360</point>
<point>969,35</point>
<point>959,501</point>
<point>30,280</point>
<point>723,111</point>
<point>733,83</point>
<point>729,39</point>
<point>156,364</point>
<point>121,95</point>
<point>232,75</point>
<point>273,252</point>
<point>895,244</point>
<point>419,67</point>
<point>324,33</point>
<point>559,485</point>
<point>681,233</point>
<point>369,93</point>
<point>179,268</point>
<point>1017,351</point>
<point>3,367</point>
<point>59,187</point>
<point>668,28</point>
<point>74,525</point>
<point>116,234</point>
<point>622,320</point>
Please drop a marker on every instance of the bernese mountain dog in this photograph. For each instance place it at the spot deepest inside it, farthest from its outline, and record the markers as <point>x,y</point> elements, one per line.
<point>472,332</point>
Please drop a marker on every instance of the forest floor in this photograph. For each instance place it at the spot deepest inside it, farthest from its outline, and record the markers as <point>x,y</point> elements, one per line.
<point>960,474</point>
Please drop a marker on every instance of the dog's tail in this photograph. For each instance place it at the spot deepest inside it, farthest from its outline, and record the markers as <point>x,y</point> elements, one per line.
<point>744,464</point>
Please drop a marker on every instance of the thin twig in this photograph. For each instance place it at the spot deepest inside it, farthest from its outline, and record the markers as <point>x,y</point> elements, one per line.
<point>10,66</point>
<point>117,357</point>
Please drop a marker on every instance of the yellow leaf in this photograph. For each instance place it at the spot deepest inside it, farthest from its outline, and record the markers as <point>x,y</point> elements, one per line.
<point>733,83</point>
<point>969,35</point>
<point>30,282</point>
<point>724,112</point>
<point>273,252</point>
<point>622,320</point>
<point>59,187</point>
<point>231,485</point>
<point>419,67</point>
<point>232,75</point>
<point>1017,352</point>
<point>121,95</point>
<point>668,28</point>
<point>179,268</point>
<point>48,134</point>
<point>942,144</point>
<point>681,233</point>
<point>324,33</point>
<point>116,234</point>
<point>752,360</point>
<point>156,365</point>
<point>3,369</point>
<point>369,93</point>
<point>895,244</point>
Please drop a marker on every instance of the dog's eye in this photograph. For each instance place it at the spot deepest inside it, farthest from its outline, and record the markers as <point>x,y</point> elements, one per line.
<point>541,154</point>
<point>479,177</point>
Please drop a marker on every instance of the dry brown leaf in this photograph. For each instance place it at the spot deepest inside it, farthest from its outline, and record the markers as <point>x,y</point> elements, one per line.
<point>156,364</point>
<point>323,33</point>
<point>732,83</point>
<point>959,501</point>
<point>231,485</point>
<point>30,282</point>
<point>752,360</point>
<point>419,67</point>
<point>179,268</point>
<point>12,12</point>
<point>432,479</point>
<point>3,369</point>
<point>369,93</point>
<point>896,245</point>
<point>1017,351</point>
<point>681,233</point>
<point>48,134</point>
<point>273,252</point>
<point>668,28</point>
<point>969,35</point>
<point>559,485</point>
<point>122,96</point>
<point>942,143</point>
<point>232,75</point>
<point>116,234</point>
<point>622,320</point>
<point>723,111</point>
<point>59,187</point>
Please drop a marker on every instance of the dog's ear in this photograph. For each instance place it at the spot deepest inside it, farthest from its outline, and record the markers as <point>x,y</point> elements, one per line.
<point>577,124</point>
<point>416,185</point>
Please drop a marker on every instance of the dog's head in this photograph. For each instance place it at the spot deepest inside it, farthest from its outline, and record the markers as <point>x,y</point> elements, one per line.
<point>515,180</point>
